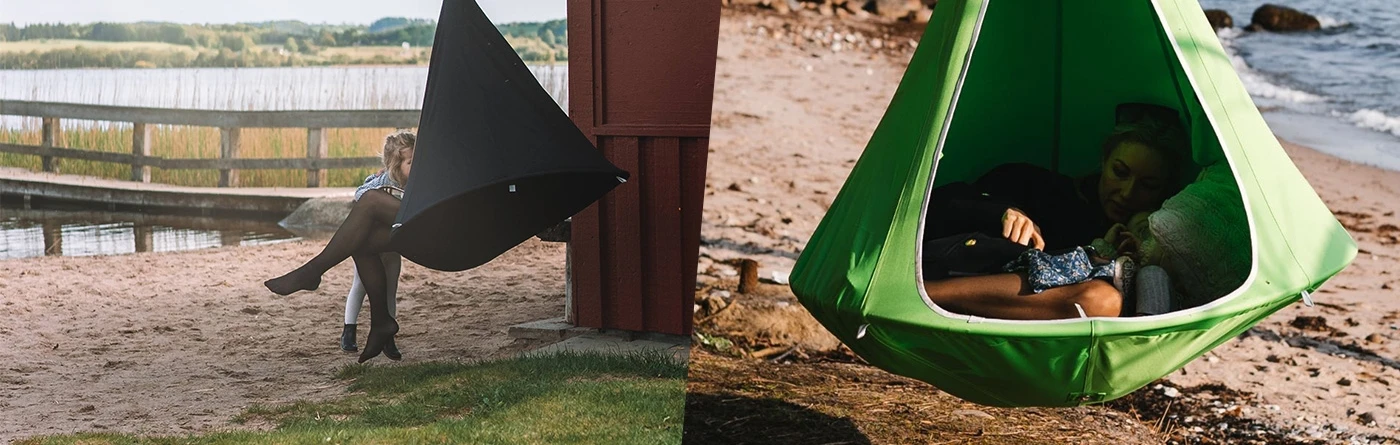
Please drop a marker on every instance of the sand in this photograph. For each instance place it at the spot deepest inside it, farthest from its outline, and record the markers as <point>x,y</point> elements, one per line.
<point>172,343</point>
<point>792,116</point>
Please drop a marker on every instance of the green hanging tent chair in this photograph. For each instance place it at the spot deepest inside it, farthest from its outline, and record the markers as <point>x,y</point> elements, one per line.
<point>1037,81</point>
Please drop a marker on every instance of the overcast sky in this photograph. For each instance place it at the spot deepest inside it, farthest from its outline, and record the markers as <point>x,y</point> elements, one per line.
<point>23,12</point>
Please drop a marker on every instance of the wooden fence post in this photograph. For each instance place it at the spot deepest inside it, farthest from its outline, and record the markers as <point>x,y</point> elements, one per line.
<point>145,238</point>
<point>51,132</point>
<point>228,149</point>
<point>53,239</point>
<point>141,148</point>
<point>229,238</point>
<point>316,148</point>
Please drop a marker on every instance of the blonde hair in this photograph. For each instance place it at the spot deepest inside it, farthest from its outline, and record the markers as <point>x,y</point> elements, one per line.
<point>396,145</point>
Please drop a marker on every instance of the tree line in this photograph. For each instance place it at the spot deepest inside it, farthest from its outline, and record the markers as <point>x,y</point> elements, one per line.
<point>291,42</point>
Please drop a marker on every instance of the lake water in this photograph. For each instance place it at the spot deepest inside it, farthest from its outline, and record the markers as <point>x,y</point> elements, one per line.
<point>26,233</point>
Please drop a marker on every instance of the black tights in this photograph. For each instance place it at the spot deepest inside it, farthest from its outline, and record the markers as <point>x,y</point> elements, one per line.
<point>363,236</point>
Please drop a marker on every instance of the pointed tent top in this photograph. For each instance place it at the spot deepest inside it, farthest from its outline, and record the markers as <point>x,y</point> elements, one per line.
<point>497,160</point>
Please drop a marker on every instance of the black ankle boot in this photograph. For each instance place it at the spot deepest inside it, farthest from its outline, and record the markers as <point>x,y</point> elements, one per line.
<point>392,351</point>
<point>347,339</point>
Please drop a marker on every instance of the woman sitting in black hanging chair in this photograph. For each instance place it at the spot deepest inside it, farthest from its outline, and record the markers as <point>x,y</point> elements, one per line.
<point>984,241</point>
<point>363,236</point>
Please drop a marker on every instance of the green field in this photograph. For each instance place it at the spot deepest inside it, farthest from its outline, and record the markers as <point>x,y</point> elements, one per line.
<point>24,46</point>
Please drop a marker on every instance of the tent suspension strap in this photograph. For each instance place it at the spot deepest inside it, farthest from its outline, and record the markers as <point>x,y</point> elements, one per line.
<point>1058,80</point>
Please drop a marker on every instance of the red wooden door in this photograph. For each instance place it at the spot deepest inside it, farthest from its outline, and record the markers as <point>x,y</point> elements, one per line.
<point>641,83</point>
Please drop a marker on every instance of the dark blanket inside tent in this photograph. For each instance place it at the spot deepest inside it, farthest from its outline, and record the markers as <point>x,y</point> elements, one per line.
<point>497,160</point>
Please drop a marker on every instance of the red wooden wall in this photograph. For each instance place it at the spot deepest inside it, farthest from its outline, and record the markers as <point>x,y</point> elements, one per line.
<point>641,83</point>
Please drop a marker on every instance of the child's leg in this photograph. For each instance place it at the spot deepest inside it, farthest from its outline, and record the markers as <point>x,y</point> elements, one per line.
<point>355,300</point>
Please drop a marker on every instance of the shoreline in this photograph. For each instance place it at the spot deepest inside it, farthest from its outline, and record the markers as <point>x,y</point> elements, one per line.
<point>1335,137</point>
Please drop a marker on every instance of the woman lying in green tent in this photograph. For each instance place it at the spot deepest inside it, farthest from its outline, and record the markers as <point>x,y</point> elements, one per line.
<point>976,232</point>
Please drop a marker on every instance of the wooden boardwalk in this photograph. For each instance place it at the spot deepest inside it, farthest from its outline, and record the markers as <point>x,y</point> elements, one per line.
<point>139,196</point>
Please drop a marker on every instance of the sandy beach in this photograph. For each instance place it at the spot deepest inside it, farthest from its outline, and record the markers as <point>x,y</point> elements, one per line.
<point>175,343</point>
<point>793,110</point>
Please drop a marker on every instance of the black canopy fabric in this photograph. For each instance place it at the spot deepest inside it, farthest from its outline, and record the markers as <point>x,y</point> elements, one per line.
<point>496,161</point>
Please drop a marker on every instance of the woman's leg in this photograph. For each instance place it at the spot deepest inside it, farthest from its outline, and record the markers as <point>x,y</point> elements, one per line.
<point>365,230</point>
<point>382,326</point>
<point>392,265</point>
<point>1009,297</point>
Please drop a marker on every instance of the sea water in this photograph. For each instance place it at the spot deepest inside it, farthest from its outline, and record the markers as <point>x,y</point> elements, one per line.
<point>1336,89</point>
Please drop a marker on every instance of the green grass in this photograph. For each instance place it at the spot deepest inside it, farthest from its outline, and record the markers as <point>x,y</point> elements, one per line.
<point>556,398</point>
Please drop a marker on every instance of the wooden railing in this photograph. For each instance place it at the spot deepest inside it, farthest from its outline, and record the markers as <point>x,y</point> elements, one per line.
<point>229,123</point>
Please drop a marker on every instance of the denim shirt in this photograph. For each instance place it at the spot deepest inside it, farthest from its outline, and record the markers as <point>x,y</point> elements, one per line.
<point>374,181</point>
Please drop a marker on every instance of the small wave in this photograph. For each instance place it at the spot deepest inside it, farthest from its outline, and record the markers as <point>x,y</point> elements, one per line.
<point>1373,119</point>
<point>1256,83</point>
<point>1328,22</point>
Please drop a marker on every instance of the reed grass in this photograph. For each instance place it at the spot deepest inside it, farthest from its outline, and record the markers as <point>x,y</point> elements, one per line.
<point>186,142</point>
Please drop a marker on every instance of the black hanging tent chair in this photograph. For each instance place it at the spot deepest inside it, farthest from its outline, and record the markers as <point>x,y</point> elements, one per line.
<point>497,160</point>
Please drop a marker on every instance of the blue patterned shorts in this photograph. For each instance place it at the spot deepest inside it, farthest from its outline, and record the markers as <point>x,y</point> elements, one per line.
<point>1045,271</point>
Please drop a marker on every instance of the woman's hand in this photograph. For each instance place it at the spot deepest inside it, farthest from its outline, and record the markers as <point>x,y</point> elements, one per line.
<point>1019,228</point>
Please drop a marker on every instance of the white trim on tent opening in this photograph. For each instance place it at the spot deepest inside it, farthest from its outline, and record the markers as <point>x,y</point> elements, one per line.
<point>1210,117</point>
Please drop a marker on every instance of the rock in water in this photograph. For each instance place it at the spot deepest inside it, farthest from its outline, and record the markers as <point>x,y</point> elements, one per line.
<point>1219,19</point>
<point>318,215</point>
<point>1282,19</point>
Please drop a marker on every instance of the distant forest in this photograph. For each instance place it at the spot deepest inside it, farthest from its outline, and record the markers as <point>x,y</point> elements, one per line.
<point>276,43</point>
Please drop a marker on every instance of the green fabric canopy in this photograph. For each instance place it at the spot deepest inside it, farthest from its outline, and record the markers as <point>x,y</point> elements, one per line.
<point>1037,81</point>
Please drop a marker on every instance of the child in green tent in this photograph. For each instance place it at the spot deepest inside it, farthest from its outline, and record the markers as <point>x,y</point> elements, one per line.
<point>973,231</point>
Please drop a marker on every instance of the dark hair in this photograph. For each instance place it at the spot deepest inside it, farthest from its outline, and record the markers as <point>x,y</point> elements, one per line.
<point>1155,127</point>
